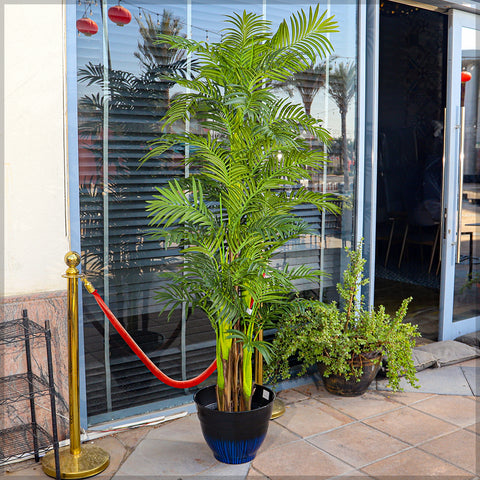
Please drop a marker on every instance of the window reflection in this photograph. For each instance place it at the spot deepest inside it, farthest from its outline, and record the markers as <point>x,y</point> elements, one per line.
<point>122,95</point>
<point>467,274</point>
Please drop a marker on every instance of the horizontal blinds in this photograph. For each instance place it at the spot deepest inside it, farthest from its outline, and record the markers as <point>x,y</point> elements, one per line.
<point>137,99</point>
<point>307,249</point>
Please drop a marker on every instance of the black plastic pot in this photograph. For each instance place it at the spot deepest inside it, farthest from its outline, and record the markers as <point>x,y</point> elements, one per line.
<point>353,387</point>
<point>234,437</point>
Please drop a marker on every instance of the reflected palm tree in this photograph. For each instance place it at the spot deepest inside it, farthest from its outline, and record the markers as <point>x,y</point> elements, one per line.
<point>342,88</point>
<point>150,52</point>
<point>309,82</point>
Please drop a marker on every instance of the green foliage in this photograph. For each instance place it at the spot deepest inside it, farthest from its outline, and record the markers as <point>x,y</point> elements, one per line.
<point>471,281</point>
<point>234,212</point>
<point>332,335</point>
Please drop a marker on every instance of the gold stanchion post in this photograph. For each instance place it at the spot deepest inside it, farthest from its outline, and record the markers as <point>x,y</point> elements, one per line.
<point>76,461</point>
<point>278,405</point>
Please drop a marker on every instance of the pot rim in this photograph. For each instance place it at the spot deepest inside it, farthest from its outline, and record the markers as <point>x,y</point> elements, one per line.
<point>244,412</point>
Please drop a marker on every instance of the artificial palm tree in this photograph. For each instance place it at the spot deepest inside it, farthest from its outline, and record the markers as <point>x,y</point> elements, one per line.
<point>235,213</point>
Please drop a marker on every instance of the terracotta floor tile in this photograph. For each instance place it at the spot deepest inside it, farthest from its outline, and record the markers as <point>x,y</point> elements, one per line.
<point>297,460</point>
<point>410,426</point>
<point>218,471</point>
<point>311,417</point>
<point>404,425</point>
<point>117,451</point>
<point>460,448</point>
<point>407,398</point>
<point>164,457</point>
<point>414,464</point>
<point>354,475</point>
<point>173,448</point>
<point>451,408</point>
<point>474,428</point>
<point>132,437</point>
<point>291,396</point>
<point>32,471</point>
<point>277,435</point>
<point>357,444</point>
<point>183,429</point>
<point>366,405</point>
<point>313,390</point>
<point>255,475</point>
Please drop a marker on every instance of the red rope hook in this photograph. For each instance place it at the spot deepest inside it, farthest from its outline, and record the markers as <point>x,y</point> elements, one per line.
<point>141,354</point>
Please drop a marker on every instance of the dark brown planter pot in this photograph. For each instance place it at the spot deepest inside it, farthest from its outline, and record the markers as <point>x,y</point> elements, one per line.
<point>339,385</point>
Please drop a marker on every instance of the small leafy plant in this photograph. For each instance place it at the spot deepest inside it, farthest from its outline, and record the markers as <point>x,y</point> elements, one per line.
<point>334,335</point>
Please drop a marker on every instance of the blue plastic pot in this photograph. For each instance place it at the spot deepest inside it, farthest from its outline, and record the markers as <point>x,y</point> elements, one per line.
<point>234,437</point>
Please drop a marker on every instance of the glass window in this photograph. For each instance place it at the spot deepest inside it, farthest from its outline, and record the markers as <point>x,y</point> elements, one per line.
<point>328,92</point>
<point>467,276</point>
<point>120,102</point>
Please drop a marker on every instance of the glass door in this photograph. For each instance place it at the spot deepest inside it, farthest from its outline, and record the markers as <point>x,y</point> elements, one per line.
<point>460,287</point>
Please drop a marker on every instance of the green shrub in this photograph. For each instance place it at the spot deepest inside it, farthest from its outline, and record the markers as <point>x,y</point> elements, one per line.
<point>317,332</point>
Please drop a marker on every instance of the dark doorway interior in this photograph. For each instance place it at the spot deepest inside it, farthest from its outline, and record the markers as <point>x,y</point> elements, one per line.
<point>412,90</point>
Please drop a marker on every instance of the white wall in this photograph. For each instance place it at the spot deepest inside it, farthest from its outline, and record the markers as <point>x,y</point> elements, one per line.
<point>35,204</point>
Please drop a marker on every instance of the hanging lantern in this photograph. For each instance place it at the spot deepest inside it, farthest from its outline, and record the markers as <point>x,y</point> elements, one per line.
<point>87,26</point>
<point>119,15</point>
<point>466,76</point>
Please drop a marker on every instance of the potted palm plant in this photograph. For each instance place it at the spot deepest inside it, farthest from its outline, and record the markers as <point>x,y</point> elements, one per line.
<point>234,213</point>
<point>346,341</point>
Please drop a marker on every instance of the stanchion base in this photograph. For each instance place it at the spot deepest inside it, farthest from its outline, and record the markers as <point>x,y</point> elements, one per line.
<point>278,408</point>
<point>89,462</point>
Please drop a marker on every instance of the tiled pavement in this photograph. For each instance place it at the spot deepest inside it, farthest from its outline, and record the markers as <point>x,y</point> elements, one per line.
<point>431,433</point>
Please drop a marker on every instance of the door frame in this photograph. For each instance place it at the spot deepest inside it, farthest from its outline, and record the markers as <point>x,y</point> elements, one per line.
<point>448,329</point>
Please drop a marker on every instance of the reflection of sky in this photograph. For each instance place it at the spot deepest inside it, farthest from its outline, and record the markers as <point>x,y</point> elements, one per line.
<point>207,17</point>
<point>470,39</point>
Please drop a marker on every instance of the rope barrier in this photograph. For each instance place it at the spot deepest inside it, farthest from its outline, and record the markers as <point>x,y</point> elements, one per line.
<point>141,354</point>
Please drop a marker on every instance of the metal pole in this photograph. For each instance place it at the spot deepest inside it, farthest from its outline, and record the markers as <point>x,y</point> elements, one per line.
<point>75,461</point>
<point>460,176</point>
<point>72,275</point>
<point>30,384</point>
<point>53,408</point>
<point>107,67</point>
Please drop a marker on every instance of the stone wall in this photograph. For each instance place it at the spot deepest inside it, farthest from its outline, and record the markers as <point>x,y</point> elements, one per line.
<point>50,306</point>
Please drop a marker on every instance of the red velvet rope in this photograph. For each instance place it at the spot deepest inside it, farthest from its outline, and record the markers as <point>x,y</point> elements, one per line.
<point>146,361</point>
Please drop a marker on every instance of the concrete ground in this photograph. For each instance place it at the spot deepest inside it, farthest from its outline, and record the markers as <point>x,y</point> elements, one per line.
<point>432,432</point>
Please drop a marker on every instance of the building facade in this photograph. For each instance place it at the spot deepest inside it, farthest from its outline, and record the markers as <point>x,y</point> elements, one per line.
<point>80,112</point>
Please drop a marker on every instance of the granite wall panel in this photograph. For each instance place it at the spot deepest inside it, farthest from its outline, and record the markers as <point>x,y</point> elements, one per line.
<point>50,306</point>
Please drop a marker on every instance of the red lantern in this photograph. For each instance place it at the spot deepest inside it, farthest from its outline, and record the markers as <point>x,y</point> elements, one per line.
<point>119,15</point>
<point>87,26</point>
<point>466,76</point>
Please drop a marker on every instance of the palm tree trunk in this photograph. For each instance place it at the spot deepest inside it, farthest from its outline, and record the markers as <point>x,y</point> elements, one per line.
<point>346,178</point>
